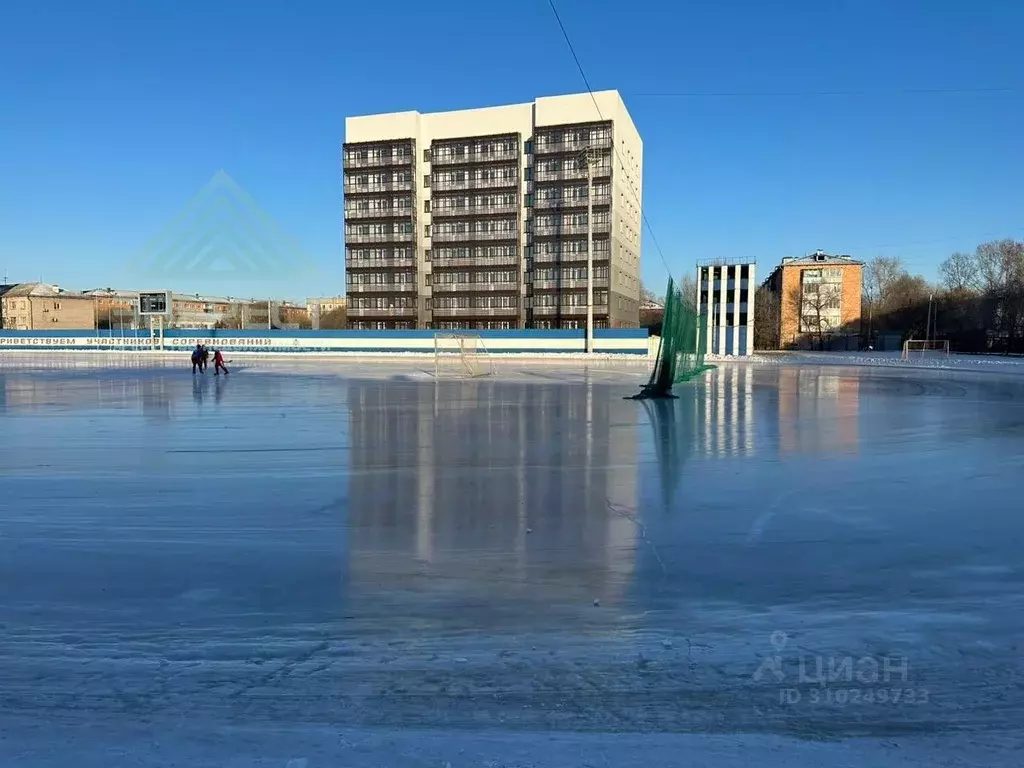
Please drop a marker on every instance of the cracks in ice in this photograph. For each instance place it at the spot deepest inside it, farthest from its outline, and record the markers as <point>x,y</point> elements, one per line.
<point>287,667</point>
<point>643,536</point>
<point>758,526</point>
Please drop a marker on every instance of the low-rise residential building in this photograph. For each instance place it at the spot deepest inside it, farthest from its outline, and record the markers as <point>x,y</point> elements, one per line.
<point>44,307</point>
<point>819,298</point>
<point>326,304</point>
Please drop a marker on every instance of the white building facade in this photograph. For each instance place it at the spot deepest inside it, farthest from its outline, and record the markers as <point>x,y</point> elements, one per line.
<point>479,218</point>
<point>725,305</point>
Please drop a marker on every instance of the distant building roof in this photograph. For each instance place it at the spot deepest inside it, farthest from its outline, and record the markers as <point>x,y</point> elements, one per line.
<point>817,258</point>
<point>40,289</point>
<point>111,293</point>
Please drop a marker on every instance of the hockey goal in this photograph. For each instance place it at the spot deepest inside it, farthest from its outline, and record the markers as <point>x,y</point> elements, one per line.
<point>918,348</point>
<point>461,354</point>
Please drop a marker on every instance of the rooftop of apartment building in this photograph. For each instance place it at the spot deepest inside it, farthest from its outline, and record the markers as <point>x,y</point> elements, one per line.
<point>38,289</point>
<point>587,102</point>
<point>819,258</point>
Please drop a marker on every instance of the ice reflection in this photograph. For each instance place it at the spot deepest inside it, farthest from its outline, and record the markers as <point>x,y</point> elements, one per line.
<point>24,391</point>
<point>724,406</point>
<point>477,489</point>
<point>818,411</point>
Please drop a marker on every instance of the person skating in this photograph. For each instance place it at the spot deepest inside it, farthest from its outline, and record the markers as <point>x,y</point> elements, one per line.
<point>218,363</point>
<point>206,358</point>
<point>197,359</point>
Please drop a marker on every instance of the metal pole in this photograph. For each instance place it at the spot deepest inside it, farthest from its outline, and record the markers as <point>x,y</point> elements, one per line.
<point>590,256</point>
<point>928,322</point>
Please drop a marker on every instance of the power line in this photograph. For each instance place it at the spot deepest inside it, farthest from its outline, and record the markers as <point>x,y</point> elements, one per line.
<point>821,94</point>
<point>938,241</point>
<point>586,82</point>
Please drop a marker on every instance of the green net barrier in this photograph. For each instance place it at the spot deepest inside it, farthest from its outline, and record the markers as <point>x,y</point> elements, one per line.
<point>681,349</point>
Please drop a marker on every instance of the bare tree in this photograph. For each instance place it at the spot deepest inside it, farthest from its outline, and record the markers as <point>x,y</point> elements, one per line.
<point>336,319</point>
<point>767,319</point>
<point>959,273</point>
<point>879,275</point>
<point>646,294</point>
<point>814,305</point>
<point>688,288</point>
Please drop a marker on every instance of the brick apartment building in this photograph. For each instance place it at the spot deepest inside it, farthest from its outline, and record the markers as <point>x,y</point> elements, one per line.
<point>820,301</point>
<point>42,307</point>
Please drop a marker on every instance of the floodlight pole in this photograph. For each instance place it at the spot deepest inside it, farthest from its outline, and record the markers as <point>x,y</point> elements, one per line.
<point>590,157</point>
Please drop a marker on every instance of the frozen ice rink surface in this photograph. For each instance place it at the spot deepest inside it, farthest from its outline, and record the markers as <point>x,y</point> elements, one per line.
<point>347,563</point>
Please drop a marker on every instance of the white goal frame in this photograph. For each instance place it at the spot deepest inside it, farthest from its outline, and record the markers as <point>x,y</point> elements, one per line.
<point>465,350</point>
<point>939,347</point>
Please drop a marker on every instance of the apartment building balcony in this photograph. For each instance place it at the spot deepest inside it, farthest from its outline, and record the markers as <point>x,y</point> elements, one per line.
<point>389,237</point>
<point>474,287</point>
<point>600,227</point>
<point>475,311</point>
<point>471,237</point>
<point>382,312</point>
<point>369,189</point>
<point>476,261</point>
<point>543,285</point>
<point>454,186</point>
<point>388,263</point>
<point>354,214</point>
<point>571,147</point>
<point>569,256</point>
<point>570,174</point>
<point>563,203</point>
<point>473,157</point>
<point>480,210</point>
<point>567,309</point>
<point>380,288</point>
<point>384,161</point>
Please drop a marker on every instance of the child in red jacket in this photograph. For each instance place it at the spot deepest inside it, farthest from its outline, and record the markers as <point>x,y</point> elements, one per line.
<point>218,363</point>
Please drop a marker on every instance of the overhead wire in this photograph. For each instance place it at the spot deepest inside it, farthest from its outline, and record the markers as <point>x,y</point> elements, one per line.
<point>756,94</point>
<point>586,82</point>
<point>824,94</point>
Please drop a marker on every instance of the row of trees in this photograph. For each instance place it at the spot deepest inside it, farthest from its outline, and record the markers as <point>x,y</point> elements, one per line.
<point>978,303</point>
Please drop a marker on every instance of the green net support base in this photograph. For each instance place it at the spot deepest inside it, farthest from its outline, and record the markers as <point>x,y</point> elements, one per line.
<point>681,350</point>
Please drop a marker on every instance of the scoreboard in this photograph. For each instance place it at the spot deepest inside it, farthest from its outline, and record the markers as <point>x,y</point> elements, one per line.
<point>154,303</point>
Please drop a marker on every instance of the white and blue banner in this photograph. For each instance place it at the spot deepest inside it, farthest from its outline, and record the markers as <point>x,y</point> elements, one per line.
<point>606,341</point>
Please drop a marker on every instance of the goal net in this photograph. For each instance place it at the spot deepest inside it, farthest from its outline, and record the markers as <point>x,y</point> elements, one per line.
<point>918,348</point>
<point>461,354</point>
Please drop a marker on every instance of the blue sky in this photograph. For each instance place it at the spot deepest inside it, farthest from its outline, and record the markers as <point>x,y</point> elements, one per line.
<point>113,114</point>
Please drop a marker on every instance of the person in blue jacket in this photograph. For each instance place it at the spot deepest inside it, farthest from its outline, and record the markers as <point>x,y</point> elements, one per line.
<point>197,358</point>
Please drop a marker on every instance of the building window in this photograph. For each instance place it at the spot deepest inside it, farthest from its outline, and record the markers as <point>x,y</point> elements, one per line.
<point>426,206</point>
<point>426,181</point>
<point>426,230</point>
<point>426,255</point>
<point>426,155</point>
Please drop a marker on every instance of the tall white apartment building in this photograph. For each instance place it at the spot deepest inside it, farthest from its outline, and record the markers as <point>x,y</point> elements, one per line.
<point>725,306</point>
<point>478,218</point>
